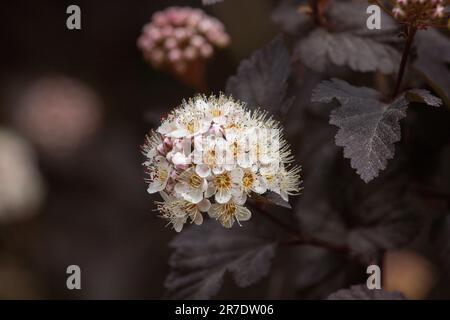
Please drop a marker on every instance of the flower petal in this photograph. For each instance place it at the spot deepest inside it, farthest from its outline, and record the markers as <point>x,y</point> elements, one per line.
<point>155,186</point>
<point>218,170</point>
<point>243,214</point>
<point>213,211</point>
<point>223,195</point>
<point>178,133</point>
<point>237,175</point>
<point>181,188</point>
<point>259,186</point>
<point>227,222</point>
<point>193,195</point>
<point>201,104</point>
<point>210,190</point>
<point>204,205</point>
<point>198,218</point>
<point>166,127</point>
<point>220,120</point>
<point>178,223</point>
<point>240,198</point>
<point>180,159</point>
<point>203,170</point>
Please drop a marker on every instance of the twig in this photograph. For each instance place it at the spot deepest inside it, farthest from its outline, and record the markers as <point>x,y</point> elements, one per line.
<point>316,12</point>
<point>410,32</point>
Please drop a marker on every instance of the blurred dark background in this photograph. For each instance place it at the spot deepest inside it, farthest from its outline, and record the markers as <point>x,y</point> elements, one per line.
<point>95,212</point>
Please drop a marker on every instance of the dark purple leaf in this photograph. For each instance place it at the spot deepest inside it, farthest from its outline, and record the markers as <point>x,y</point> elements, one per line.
<point>424,96</point>
<point>202,257</point>
<point>348,42</point>
<point>433,58</point>
<point>261,81</point>
<point>368,128</point>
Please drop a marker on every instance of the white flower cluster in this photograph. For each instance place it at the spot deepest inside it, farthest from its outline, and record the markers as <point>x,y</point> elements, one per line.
<point>209,154</point>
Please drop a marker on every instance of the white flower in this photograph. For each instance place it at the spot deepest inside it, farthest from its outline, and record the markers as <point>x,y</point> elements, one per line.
<point>189,128</point>
<point>271,148</point>
<point>289,182</point>
<point>179,155</point>
<point>179,159</point>
<point>270,179</point>
<point>227,213</point>
<point>210,154</point>
<point>178,211</point>
<point>218,112</point>
<point>150,148</point>
<point>242,146</point>
<point>167,127</point>
<point>191,186</point>
<point>159,174</point>
<point>224,185</point>
<point>249,181</point>
<point>188,122</point>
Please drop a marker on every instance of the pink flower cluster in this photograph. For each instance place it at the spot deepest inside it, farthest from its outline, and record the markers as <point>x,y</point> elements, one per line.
<point>419,13</point>
<point>178,36</point>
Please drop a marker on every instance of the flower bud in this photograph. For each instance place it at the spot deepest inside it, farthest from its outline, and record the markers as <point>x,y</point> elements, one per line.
<point>180,40</point>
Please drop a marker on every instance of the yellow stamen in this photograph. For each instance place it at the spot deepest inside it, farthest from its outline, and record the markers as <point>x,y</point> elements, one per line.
<point>248,180</point>
<point>195,181</point>
<point>191,126</point>
<point>216,112</point>
<point>210,157</point>
<point>223,181</point>
<point>162,174</point>
<point>227,213</point>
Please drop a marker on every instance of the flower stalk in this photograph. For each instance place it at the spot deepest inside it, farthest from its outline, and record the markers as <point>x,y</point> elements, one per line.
<point>410,33</point>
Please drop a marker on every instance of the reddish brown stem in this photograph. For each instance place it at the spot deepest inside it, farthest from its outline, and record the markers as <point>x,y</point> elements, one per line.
<point>194,76</point>
<point>410,33</point>
<point>317,12</point>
